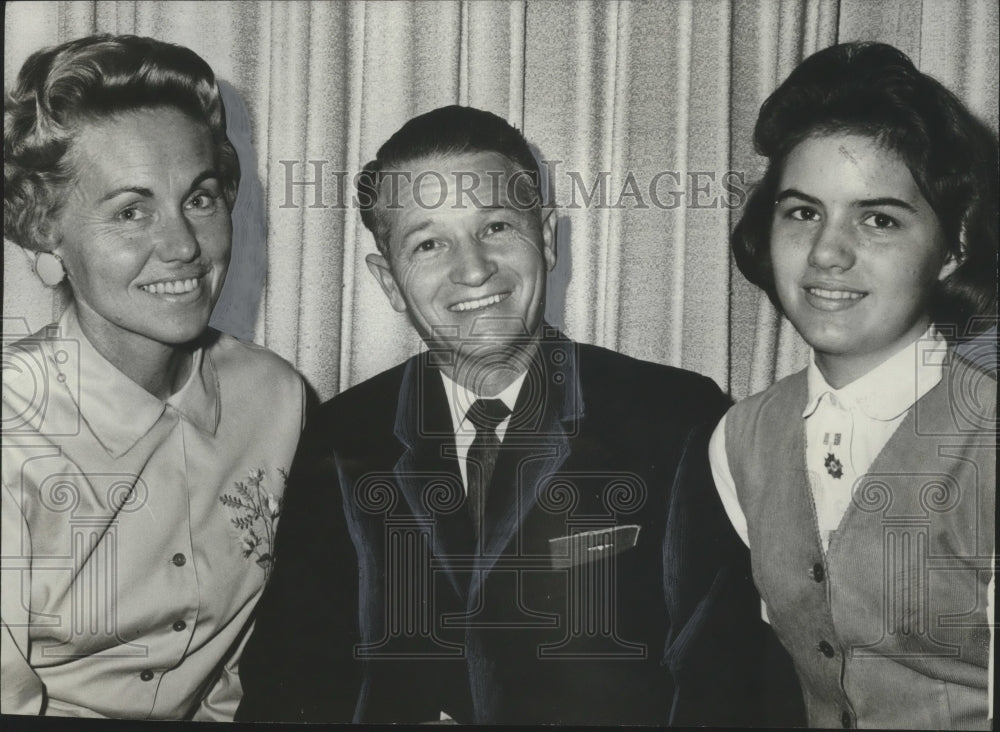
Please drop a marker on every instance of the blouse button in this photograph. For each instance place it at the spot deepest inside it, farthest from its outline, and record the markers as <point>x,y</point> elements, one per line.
<point>146,675</point>
<point>817,572</point>
<point>845,720</point>
<point>180,625</point>
<point>179,559</point>
<point>826,649</point>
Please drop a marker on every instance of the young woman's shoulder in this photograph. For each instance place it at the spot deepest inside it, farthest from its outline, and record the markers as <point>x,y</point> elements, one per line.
<point>968,391</point>
<point>981,367</point>
<point>785,395</point>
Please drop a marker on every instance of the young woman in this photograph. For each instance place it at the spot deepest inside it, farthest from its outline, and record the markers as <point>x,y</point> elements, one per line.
<point>865,484</point>
<point>143,453</point>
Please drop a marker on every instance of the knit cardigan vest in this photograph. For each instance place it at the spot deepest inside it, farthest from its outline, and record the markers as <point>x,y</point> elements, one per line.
<point>889,628</point>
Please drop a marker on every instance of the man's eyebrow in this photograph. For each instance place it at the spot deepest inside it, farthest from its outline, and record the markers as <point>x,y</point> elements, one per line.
<point>425,224</point>
<point>886,201</point>
<point>795,193</point>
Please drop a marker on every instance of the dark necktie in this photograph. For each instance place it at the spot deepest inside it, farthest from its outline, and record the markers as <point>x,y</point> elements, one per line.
<point>486,415</point>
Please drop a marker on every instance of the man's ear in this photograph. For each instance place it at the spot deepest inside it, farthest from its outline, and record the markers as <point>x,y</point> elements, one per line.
<point>380,269</point>
<point>549,219</point>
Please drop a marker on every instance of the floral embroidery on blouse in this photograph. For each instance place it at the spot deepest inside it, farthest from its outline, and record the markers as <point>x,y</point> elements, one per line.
<point>255,513</point>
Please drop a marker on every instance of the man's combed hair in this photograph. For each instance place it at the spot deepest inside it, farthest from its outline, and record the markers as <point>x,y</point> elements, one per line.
<point>873,89</point>
<point>452,130</point>
<point>87,80</point>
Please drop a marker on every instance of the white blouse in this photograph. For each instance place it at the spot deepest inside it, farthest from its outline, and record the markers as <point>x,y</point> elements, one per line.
<point>845,430</point>
<point>137,533</point>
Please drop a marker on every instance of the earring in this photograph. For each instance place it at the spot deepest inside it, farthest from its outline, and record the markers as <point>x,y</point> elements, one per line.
<point>49,268</point>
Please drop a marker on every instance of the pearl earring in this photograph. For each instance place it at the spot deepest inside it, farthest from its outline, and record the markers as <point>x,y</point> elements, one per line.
<point>49,268</point>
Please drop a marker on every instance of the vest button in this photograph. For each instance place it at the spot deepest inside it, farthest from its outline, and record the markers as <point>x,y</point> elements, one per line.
<point>179,559</point>
<point>146,675</point>
<point>845,719</point>
<point>826,649</point>
<point>180,625</point>
<point>817,572</point>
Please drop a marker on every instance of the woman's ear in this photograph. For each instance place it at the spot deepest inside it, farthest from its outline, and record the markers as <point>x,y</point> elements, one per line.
<point>953,259</point>
<point>950,265</point>
<point>44,255</point>
<point>44,237</point>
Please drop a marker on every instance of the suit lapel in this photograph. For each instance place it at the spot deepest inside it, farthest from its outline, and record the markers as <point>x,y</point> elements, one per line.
<point>547,414</point>
<point>427,472</point>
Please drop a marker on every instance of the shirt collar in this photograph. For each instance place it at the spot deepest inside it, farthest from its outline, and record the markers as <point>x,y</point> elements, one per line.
<point>892,387</point>
<point>421,413</point>
<point>118,411</point>
<point>461,399</point>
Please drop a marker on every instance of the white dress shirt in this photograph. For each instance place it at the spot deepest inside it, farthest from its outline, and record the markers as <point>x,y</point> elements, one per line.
<point>460,400</point>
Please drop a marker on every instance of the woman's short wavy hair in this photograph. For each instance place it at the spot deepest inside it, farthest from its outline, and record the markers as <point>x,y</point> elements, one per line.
<point>89,79</point>
<point>874,90</point>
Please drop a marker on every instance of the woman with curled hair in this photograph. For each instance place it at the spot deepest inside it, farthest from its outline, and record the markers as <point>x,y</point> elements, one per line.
<point>865,485</point>
<point>143,463</point>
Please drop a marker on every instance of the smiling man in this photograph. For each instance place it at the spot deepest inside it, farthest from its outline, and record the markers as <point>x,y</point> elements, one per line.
<point>464,249</point>
<point>510,527</point>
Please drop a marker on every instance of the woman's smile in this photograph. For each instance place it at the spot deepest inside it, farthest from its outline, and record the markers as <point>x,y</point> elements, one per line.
<point>145,231</point>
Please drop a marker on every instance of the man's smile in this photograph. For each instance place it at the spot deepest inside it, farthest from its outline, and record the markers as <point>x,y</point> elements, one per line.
<point>479,303</point>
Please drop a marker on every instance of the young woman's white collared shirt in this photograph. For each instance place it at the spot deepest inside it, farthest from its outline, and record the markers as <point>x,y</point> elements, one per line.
<point>845,429</point>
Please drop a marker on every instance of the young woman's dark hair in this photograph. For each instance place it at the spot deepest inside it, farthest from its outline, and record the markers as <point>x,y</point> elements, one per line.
<point>873,89</point>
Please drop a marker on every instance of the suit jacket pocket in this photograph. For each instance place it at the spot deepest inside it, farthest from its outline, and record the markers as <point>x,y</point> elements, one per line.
<point>590,546</point>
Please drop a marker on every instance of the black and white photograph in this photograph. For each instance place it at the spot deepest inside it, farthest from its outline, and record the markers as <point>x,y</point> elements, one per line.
<point>528,362</point>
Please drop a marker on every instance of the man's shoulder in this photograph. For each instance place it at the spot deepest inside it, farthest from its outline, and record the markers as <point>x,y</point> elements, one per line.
<point>367,408</point>
<point>622,377</point>
<point>614,360</point>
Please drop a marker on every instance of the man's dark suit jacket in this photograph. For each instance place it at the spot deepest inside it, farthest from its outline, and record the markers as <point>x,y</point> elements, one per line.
<point>383,608</point>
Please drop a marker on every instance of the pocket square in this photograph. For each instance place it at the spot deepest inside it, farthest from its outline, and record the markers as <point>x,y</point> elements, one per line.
<point>569,551</point>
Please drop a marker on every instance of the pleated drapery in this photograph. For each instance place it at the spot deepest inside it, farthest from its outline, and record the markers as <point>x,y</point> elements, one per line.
<point>643,110</point>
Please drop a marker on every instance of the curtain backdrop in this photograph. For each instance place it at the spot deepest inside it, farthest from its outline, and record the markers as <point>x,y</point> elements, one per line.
<point>648,107</point>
